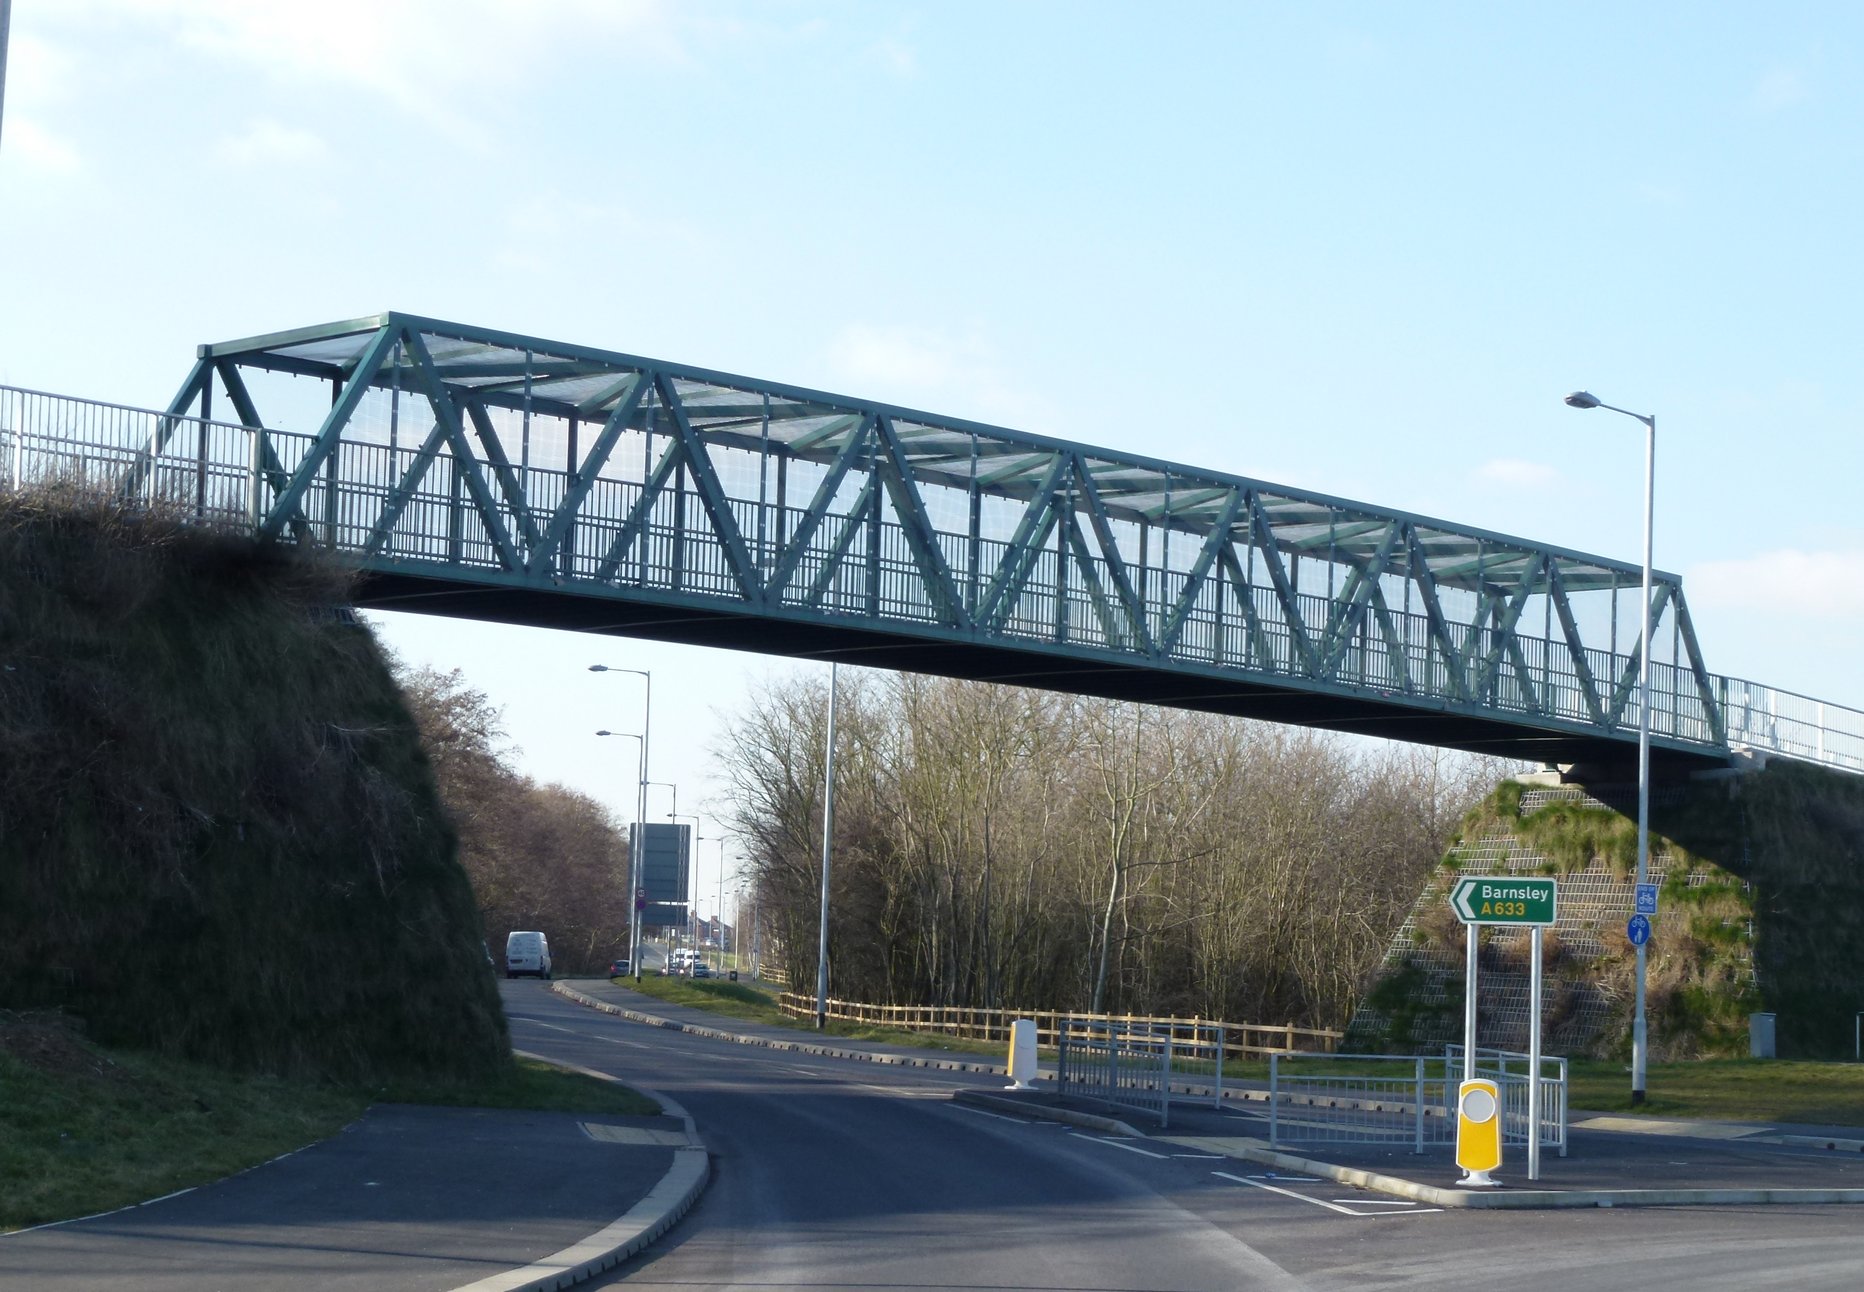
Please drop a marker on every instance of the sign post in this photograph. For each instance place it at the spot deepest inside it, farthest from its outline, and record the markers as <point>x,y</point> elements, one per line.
<point>1533,902</point>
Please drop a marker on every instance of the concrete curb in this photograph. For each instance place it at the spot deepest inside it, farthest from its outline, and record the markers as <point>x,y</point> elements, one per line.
<point>640,1225</point>
<point>1513,1199</point>
<point>1071,1116</point>
<point>649,1218</point>
<point>772,1043</point>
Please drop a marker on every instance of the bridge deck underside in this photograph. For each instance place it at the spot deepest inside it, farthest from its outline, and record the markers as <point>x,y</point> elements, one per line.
<point>1019,666</point>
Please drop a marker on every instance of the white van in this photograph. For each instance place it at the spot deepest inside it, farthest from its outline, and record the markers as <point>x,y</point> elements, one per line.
<point>527,953</point>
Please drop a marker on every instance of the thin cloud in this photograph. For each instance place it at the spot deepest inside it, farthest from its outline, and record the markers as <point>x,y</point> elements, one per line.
<point>1517,473</point>
<point>268,141</point>
<point>1779,88</point>
<point>429,58</point>
<point>895,57</point>
<point>39,149</point>
<point>1789,583</point>
<point>924,368</point>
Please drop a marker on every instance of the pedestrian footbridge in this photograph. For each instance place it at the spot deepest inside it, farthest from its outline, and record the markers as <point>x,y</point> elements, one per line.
<point>477,473</point>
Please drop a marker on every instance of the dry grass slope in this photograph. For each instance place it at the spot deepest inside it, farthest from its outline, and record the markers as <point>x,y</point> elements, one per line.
<point>219,837</point>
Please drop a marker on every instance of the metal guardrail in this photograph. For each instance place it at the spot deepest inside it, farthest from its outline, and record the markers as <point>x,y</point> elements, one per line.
<point>1359,1099</point>
<point>1510,1071</point>
<point>1116,1065</point>
<point>1403,1099</point>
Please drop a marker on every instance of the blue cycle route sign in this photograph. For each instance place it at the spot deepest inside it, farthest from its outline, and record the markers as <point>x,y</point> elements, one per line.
<point>1646,903</point>
<point>1638,930</point>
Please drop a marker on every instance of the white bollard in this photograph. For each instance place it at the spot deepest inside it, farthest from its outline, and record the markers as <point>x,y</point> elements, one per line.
<point>1022,1054</point>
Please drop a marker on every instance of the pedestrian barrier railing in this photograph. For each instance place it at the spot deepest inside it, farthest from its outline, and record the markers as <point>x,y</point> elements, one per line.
<point>1358,1099</point>
<point>1510,1070</point>
<point>1403,1099</point>
<point>1205,1044</point>
<point>1117,1065</point>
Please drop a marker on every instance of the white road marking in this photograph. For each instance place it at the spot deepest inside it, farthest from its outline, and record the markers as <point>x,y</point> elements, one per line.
<point>1114,1143</point>
<point>1321,1202</point>
<point>1286,1193</point>
<point>1376,1202</point>
<point>996,1116</point>
<point>1202,1157</point>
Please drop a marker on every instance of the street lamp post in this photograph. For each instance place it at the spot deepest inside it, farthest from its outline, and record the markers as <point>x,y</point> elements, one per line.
<point>6,14</point>
<point>638,843</point>
<point>828,835</point>
<point>1639,1046</point>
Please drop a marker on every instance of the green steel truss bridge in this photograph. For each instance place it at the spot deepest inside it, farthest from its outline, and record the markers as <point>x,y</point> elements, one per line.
<point>476,473</point>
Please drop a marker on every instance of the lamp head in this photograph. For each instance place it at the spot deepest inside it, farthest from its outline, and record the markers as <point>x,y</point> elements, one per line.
<point>604,733</point>
<point>603,668</point>
<point>1581,399</point>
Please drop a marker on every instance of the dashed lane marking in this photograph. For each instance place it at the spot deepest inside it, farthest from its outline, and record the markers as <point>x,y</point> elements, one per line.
<point>1318,1202</point>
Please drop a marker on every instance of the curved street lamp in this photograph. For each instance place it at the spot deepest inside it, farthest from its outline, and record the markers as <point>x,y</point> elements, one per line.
<point>1585,399</point>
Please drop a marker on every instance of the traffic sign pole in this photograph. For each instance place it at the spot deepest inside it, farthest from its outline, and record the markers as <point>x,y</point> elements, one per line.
<point>1533,1062</point>
<point>1469,1004</point>
<point>1508,900</point>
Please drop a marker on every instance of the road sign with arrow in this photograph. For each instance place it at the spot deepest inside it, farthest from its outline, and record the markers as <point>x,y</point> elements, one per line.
<point>1492,899</point>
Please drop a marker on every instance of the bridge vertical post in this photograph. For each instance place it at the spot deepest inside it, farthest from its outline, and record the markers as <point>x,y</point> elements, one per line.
<point>255,468</point>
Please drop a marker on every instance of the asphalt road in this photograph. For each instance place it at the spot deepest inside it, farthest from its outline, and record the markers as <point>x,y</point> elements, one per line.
<point>829,1174</point>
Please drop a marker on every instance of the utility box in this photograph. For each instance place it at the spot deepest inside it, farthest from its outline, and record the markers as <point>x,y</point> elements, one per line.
<point>1760,1036</point>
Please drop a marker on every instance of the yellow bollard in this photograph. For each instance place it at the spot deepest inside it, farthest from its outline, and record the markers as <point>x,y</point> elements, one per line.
<point>1478,1132</point>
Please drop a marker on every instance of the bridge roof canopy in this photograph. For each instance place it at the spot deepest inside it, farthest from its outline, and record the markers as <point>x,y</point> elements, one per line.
<point>554,378</point>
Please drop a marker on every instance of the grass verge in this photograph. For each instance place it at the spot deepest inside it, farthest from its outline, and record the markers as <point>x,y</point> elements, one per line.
<point>83,1129</point>
<point>759,1005</point>
<point>1743,1090</point>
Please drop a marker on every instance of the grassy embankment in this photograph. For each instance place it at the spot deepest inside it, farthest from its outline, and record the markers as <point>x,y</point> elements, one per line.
<point>759,1005</point>
<point>222,859</point>
<point>1714,1089</point>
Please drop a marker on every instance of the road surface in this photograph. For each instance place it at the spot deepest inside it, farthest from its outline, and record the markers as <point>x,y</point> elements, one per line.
<point>831,1174</point>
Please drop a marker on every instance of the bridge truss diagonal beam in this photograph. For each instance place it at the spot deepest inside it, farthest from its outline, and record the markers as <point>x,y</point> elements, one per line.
<point>549,468</point>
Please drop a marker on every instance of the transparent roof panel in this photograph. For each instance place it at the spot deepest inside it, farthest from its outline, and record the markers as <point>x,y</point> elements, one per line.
<point>509,371</point>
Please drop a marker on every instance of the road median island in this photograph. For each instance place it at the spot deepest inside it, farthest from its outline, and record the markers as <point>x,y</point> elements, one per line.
<point>1044,1105</point>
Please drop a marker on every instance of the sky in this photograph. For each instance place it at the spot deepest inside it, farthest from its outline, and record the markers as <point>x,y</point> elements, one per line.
<point>1357,249</point>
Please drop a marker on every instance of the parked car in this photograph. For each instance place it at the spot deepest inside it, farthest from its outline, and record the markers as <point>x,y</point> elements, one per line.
<point>527,952</point>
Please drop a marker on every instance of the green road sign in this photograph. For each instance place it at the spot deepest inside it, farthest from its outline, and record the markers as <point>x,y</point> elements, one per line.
<point>1501,900</point>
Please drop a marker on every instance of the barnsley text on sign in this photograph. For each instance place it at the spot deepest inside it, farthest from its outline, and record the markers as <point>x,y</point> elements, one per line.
<point>1504,900</point>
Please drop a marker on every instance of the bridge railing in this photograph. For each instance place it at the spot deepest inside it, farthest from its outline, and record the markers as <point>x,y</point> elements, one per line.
<point>407,500</point>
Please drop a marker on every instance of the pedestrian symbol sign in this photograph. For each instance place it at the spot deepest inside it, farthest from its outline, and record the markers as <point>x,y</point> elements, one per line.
<point>1638,930</point>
